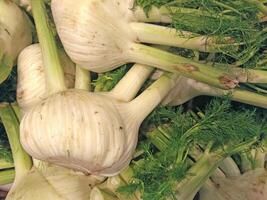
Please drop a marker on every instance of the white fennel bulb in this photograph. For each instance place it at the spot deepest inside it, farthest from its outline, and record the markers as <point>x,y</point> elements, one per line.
<point>52,182</point>
<point>15,34</point>
<point>31,85</point>
<point>15,30</point>
<point>98,194</point>
<point>95,133</point>
<point>251,185</point>
<point>102,35</point>
<point>41,180</point>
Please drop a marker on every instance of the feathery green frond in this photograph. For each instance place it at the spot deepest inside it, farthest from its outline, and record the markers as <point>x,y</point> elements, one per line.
<point>106,81</point>
<point>219,129</point>
<point>233,22</point>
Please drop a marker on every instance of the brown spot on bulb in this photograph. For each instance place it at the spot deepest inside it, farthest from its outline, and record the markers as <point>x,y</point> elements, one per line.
<point>6,30</point>
<point>8,1</point>
<point>217,185</point>
<point>20,94</point>
<point>40,69</point>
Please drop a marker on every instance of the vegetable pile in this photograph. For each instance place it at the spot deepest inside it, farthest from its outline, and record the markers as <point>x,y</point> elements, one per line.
<point>133,99</point>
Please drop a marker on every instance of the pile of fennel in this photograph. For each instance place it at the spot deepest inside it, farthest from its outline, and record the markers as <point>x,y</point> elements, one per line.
<point>77,139</point>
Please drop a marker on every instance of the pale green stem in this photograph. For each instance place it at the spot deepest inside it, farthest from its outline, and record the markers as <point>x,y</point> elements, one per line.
<point>144,104</point>
<point>127,174</point>
<point>197,153</point>
<point>82,79</point>
<point>259,158</point>
<point>239,95</point>
<point>248,97</point>
<point>164,14</point>
<point>177,64</point>
<point>198,174</point>
<point>22,160</point>
<point>155,15</point>
<point>6,65</point>
<point>124,178</point>
<point>7,176</point>
<point>155,34</point>
<point>248,75</point>
<point>130,84</point>
<point>196,56</point>
<point>259,5</point>
<point>245,162</point>
<point>17,111</point>
<point>5,164</point>
<point>113,183</point>
<point>54,72</point>
<point>229,167</point>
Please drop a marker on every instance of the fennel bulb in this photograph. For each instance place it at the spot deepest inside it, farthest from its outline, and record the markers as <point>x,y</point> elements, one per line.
<point>31,86</point>
<point>41,180</point>
<point>98,194</point>
<point>100,40</point>
<point>47,181</point>
<point>91,132</point>
<point>15,34</point>
<point>248,186</point>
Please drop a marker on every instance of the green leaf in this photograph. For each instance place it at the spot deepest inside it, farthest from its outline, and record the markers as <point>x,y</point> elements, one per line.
<point>6,65</point>
<point>106,81</point>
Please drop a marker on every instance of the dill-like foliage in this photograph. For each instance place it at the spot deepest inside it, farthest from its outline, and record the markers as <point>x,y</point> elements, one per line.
<point>236,20</point>
<point>7,94</point>
<point>8,88</point>
<point>218,128</point>
<point>147,4</point>
<point>5,152</point>
<point>107,81</point>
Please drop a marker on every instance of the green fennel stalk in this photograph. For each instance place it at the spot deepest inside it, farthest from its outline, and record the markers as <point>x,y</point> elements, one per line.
<point>22,161</point>
<point>7,176</point>
<point>53,69</point>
